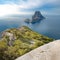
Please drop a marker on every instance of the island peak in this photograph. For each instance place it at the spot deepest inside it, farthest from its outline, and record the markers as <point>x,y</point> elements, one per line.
<point>37,17</point>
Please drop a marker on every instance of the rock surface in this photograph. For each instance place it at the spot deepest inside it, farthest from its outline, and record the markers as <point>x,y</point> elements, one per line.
<point>50,51</point>
<point>11,37</point>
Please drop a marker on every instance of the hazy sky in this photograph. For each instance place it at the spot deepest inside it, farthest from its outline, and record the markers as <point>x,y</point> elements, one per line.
<point>21,7</point>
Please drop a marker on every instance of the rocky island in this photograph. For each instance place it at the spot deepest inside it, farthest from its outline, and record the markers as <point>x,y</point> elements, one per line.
<point>35,18</point>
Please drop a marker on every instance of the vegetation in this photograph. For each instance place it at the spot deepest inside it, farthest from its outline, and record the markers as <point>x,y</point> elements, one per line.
<point>16,42</point>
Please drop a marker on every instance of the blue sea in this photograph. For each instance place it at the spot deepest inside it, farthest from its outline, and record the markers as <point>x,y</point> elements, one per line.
<point>50,26</point>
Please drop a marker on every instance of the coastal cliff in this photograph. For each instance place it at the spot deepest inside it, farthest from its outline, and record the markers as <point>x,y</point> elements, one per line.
<point>17,42</point>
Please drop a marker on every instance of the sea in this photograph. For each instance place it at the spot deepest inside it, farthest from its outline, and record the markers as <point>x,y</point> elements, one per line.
<point>50,26</point>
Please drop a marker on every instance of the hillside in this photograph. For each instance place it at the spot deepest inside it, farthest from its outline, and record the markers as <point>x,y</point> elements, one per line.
<point>50,51</point>
<point>17,42</point>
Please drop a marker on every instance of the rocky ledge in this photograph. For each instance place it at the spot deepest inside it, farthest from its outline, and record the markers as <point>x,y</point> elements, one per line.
<point>50,51</point>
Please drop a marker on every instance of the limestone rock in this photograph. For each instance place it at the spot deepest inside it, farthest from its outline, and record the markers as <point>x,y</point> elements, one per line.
<point>50,51</point>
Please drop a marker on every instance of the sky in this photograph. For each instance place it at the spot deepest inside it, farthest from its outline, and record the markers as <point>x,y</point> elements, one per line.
<point>27,7</point>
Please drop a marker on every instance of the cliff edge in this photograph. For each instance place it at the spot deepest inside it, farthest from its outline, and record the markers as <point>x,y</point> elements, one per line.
<point>50,51</point>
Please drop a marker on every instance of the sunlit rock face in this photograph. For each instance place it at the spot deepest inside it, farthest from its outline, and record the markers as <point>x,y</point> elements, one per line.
<point>50,51</point>
<point>10,36</point>
<point>37,17</point>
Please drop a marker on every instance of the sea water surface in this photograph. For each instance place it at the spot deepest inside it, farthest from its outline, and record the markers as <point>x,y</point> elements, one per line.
<point>50,26</point>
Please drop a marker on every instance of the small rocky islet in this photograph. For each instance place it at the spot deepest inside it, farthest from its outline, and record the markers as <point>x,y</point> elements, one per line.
<point>37,17</point>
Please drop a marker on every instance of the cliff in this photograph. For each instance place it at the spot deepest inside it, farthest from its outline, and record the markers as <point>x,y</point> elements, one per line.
<point>50,51</point>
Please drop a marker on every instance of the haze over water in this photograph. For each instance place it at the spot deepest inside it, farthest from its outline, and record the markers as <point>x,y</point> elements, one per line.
<point>50,26</point>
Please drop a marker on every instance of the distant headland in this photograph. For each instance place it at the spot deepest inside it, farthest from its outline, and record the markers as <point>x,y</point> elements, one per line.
<point>35,18</point>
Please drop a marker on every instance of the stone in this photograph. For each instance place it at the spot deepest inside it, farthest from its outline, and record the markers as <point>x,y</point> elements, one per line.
<point>50,51</point>
<point>37,17</point>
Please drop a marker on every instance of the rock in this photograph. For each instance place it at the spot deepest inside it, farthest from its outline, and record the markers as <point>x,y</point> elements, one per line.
<point>27,20</point>
<point>37,17</point>
<point>10,36</point>
<point>50,51</point>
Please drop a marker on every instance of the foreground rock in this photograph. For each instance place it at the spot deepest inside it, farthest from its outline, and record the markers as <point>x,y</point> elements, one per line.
<point>50,51</point>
